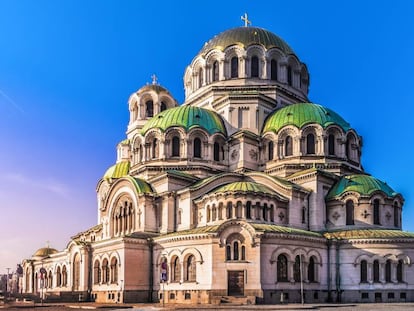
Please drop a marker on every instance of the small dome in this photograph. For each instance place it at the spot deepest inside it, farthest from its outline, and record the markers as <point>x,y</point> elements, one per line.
<point>244,37</point>
<point>244,187</point>
<point>118,170</point>
<point>141,186</point>
<point>153,87</point>
<point>187,117</point>
<point>362,184</point>
<point>302,114</point>
<point>45,251</point>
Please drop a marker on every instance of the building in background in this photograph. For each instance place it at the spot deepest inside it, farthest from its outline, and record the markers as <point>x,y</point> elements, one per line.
<point>246,192</point>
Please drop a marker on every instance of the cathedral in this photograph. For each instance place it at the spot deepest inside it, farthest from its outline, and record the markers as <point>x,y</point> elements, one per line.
<point>246,192</point>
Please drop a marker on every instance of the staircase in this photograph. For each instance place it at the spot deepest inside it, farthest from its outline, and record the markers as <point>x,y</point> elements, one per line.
<point>237,300</point>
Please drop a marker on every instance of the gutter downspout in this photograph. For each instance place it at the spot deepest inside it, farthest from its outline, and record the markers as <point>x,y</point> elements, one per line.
<point>328,246</point>
<point>151,274</point>
<point>174,194</point>
<point>308,212</point>
<point>338,275</point>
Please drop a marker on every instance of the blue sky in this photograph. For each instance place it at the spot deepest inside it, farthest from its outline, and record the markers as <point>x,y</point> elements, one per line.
<point>67,69</point>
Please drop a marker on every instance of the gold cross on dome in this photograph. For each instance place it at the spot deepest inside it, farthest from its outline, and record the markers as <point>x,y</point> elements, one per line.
<point>246,20</point>
<point>154,79</point>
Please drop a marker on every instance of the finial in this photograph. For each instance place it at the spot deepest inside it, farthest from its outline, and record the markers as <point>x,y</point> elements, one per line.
<point>154,79</point>
<point>246,20</point>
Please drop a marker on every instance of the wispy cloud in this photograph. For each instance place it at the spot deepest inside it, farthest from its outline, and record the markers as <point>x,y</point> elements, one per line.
<point>11,101</point>
<point>50,184</point>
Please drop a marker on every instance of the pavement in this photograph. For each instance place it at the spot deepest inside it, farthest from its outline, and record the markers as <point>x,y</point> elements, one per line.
<point>176,307</point>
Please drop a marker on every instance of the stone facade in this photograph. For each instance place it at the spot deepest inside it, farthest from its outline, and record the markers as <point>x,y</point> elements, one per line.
<point>245,191</point>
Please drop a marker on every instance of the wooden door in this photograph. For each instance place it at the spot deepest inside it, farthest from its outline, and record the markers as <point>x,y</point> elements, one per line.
<point>235,280</point>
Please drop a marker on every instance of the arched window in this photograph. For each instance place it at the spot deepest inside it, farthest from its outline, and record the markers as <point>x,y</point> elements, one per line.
<point>216,151</point>
<point>254,67</point>
<point>264,212</point>
<point>310,144</point>
<point>64,276</point>
<point>200,78</point>
<point>197,148</point>
<point>364,271</point>
<point>376,212</point>
<point>155,148</point>
<point>105,271</point>
<point>400,271</point>
<point>76,272</point>
<point>273,69</point>
<point>296,269</point>
<point>289,75</point>
<point>229,210</point>
<point>163,106</point>
<point>270,150</point>
<point>282,268</point>
<point>331,144</point>
<point>228,252</point>
<point>149,109</point>
<point>243,252</point>
<point>50,279</point>
<point>175,269</point>
<point>114,270</point>
<point>215,71</point>
<point>388,271</point>
<point>351,149</point>
<point>376,271</point>
<point>176,146</point>
<point>249,210</point>
<point>396,218</point>
<point>311,270</point>
<point>236,250</point>
<point>96,272</point>
<point>234,67</point>
<point>190,272</point>
<point>349,212</point>
<point>288,146</point>
<point>58,277</point>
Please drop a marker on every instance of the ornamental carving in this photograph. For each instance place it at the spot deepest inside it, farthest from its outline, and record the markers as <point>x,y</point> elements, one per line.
<point>336,216</point>
<point>253,154</point>
<point>234,154</point>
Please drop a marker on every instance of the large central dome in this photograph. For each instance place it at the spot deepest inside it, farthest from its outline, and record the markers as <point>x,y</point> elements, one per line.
<point>244,37</point>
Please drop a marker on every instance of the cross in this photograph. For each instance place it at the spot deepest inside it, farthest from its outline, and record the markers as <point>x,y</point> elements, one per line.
<point>246,20</point>
<point>365,214</point>
<point>154,79</point>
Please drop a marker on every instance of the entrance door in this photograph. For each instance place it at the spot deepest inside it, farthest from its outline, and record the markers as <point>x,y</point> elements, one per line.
<point>235,280</point>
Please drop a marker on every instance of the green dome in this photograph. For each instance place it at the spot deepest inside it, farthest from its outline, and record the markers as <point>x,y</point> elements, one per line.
<point>362,184</point>
<point>187,117</point>
<point>244,37</point>
<point>45,251</point>
<point>245,187</point>
<point>121,170</point>
<point>302,114</point>
<point>141,186</point>
<point>118,170</point>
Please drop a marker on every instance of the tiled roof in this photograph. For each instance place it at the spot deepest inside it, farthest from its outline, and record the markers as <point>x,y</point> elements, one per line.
<point>244,37</point>
<point>186,117</point>
<point>245,187</point>
<point>118,170</point>
<point>368,234</point>
<point>282,229</point>
<point>303,114</point>
<point>360,183</point>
